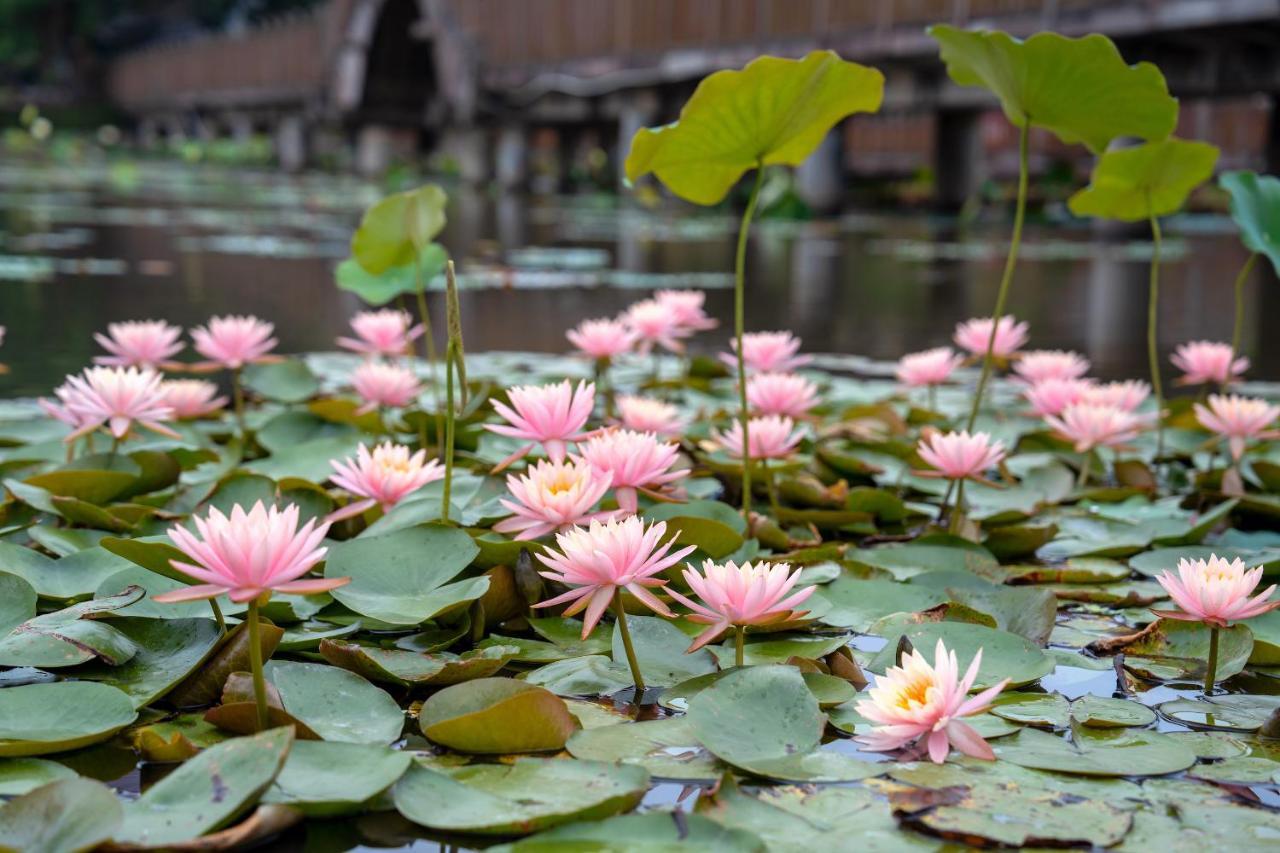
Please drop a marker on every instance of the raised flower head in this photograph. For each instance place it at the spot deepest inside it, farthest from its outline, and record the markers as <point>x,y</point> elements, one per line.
<point>112,397</point>
<point>601,339</point>
<point>192,398</point>
<point>781,394</point>
<point>1088,426</point>
<point>959,455</point>
<point>139,343</point>
<point>386,332</point>
<point>917,701</point>
<point>551,415</point>
<point>686,306</point>
<point>1039,365</point>
<point>645,414</point>
<point>1207,361</point>
<point>552,496</point>
<point>1128,395</point>
<point>383,477</point>
<point>733,596</point>
<point>767,352</point>
<point>1051,396</point>
<point>1238,420</point>
<point>654,324</point>
<point>927,368</point>
<point>633,460</point>
<point>232,341</point>
<point>770,437</point>
<point>1215,591</point>
<point>384,385</point>
<point>974,336</point>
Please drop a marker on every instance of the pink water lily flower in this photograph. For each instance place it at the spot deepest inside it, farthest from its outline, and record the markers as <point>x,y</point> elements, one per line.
<point>930,367</point>
<point>654,324</point>
<point>602,339</point>
<point>114,397</point>
<point>249,554</point>
<point>770,437</point>
<point>634,461</point>
<point>1051,396</point>
<point>386,332</point>
<point>914,701</point>
<point>1207,361</point>
<point>139,343</point>
<point>552,496</point>
<point>384,385</point>
<point>233,341</point>
<point>1039,365</point>
<point>959,455</point>
<point>383,477</point>
<point>1088,426</point>
<point>735,596</point>
<point>1128,395</point>
<point>192,398</point>
<point>781,394</point>
<point>645,414</point>
<point>974,335</point>
<point>605,557</point>
<point>766,352</point>
<point>1238,420</point>
<point>1215,592</point>
<point>687,307</point>
<point>551,415</point>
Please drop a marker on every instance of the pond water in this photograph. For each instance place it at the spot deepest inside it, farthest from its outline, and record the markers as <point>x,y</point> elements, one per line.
<point>82,245</point>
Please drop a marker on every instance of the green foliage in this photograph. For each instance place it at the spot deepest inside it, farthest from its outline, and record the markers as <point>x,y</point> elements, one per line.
<point>398,229</point>
<point>1148,180</point>
<point>1255,207</point>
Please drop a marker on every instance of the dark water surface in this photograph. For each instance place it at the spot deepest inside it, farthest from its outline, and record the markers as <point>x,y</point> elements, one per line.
<point>81,246</point>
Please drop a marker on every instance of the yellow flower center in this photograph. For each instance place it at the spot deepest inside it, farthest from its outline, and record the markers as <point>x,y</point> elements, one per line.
<point>914,694</point>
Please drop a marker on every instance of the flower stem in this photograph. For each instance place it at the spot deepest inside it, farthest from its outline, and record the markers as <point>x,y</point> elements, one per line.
<point>946,499</point>
<point>448,432</point>
<point>428,339</point>
<point>1153,317</point>
<point>620,614</point>
<point>1236,331</point>
<point>453,364</point>
<point>1211,672</point>
<point>237,394</point>
<point>773,491</point>
<point>255,665</point>
<point>957,512</point>
<point>1010,262</point>
<point>739,324</point>
<point>217,615</point>
<point>739,645</point>
<point>933,398</point>
<point>1083,479</point>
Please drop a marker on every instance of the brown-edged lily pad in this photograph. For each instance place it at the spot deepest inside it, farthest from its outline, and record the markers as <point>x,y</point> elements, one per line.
<point>497,715</point>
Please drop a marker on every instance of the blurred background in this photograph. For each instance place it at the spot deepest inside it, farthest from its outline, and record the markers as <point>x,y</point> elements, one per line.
<point>179,158</point>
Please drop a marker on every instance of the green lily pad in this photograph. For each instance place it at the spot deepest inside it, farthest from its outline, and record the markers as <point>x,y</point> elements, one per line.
<point>287,381</point>
<point>325,779</point>
<point>65,816</point>
<point>1242,712</point>
<point>72,577</point>
<point>773,111</point>
<point>17,602</point>
<point>652,832</point>
<point>1266,639</point>
<point>660,651</point>
<point>37,719</point>
<point>20,775</point>
<point>405,669</point>
<point>858,604</point>
<point>1080,89</point>
<point>1033,709</point>
<point>916,558</point>
<point>514,799</point>
<point>71,636</point>
<point>1097,752</point>
<point>589,675</point>
<point>394,281</point>
<point>1175,650</point>
<point>206,792</point>
<point>497,715</point>
<point>1004,655</point>
<point>1247,770</point>
<point>778,648</point>
<point>406,577</point>
<point>1255,207</point>
<point>1152,179</point>
<point>1101,712</point>
<point>336,704</point>
<point>666,747</point>
<point>714,527</point>
<point>307,636</point>
<point>168,650</point>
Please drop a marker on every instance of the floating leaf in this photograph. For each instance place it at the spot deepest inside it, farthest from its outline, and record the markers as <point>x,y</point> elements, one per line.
<point>1241,712</point>
<point>287,381</point>
<point>65,816</point>
<point>328,779</point>
<point>17,602</point>
<point>660,651</point>
<point>72,577</point>
<point>714,527</point>
<point>652,831</point>
<point>168,650</point>
<point>204,686</point>
<point>1080,89</point>
<point>1097,752</point>
<point>71,636</point>
<point>518,798</point>
<point>773,111</point>
<point>336,704</point>
<point>497,715</point>
<point>1152,179</point>
<point>37,719</point>
<point>1174,650</point>
<point>411,669</point>
<point>1004,655</point>
<point>406,577</point>
<point>207,792</point>
<point>666,747</point>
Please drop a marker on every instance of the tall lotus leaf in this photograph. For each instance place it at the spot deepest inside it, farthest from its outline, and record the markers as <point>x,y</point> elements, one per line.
<point>395,230</point>
<point>773,111</point>
<point>1255,207</point>
<point>1080,89</point>
<point>1152,179</point>
<point>385,286</point>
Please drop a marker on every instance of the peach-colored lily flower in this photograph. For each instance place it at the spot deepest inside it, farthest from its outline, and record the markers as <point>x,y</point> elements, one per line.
<point>1238,419</point>
<point>192,398</point>
<point>382,478</point>
<point>386,332</point>
<point>781,394</point>
<point>1039,365</point>
<point>139,343</point>
<point>234,341</point>
<point>249,554</point>
<point>736,596</point>
<point>930,367</point>
<point>959,455</point>
<point>645,414</point>
<point>552,496</point>
<point>551,415</point>
<point>915,700</point>
<point>384,385</point>
<point>115,397</point>
<point>634,461</point>
<point>1215,592</point>
<point>974,335</point>
<point>1207,361</point>
<point>607,556</point>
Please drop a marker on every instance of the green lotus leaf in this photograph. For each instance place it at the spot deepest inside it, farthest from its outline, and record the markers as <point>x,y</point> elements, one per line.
<point>37,719</point>
<point>17,602</point>
<point>1148,180</point>
<point>287,381</point>
<point>1080,89</point>
<point>204,686</point>
<point>1255,207</point>
<point>412,669</point>
<point>772,112</point>
<point>168,651</point>
<point>72,577</point>
<point>1101,712</point>
<point>778,648</point>
<point>71,636</point>
<point>651,832</point>
<point>206,792</point>
<point>336,704</point>
<point>65,816</point>
<point>1177,650</point>
<point>383,287</point>
<point>325,779</point>
<point>398,227</point>
<point>515,799</point>
<point>588,675</point>
<point>660,651</point>
<point>497,715</point>
<point>1097,752</point>
<point>1004,655</point>
<point>666,747</point>
<point>20,775</point>
<point>1243,712</point>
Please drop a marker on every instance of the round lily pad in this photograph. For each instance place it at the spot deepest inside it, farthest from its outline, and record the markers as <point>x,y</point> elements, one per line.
<point>336,704</point>
<point>1241,712</point>
<point>36,719</point>
<point>667,748</point>
<point>325,779</point>
<point>1097,752</point>
<point>1004,655</point>
<point>497,715</point>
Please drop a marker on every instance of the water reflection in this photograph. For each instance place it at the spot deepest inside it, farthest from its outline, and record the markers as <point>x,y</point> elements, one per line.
<point>77,252</point>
